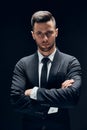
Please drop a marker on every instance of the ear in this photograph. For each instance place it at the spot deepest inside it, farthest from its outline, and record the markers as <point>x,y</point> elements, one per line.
<point>56,32</point>
<point>33,35</point>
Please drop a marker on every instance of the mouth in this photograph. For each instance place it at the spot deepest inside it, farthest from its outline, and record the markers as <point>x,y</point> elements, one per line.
<point>45,44</point>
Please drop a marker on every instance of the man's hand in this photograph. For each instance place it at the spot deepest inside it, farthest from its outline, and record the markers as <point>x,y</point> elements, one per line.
<point>27,92</point>
<point>67,83</point>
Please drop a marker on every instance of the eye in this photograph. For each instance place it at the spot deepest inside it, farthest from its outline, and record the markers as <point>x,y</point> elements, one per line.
<point>49,33</point>
<point>38,33</point>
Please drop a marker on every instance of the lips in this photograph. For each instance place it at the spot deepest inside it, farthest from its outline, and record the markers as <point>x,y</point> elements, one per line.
<point>44,44</point>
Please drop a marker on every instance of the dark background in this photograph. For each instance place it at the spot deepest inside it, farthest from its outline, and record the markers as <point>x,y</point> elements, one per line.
<point>16,42</point>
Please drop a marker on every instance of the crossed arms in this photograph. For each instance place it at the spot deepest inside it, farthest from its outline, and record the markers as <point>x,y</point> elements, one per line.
<point>64,97</point>
<point>65,84</point>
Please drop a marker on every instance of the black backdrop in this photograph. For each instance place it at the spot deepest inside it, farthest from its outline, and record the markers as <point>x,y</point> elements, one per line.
<point>16,42</point>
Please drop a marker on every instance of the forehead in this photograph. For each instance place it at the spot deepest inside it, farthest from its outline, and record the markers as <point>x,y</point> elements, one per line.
<point>49,25</point>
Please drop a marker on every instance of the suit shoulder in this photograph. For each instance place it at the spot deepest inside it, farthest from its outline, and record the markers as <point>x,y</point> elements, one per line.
<point>26,59</point>
<point>67,56</point>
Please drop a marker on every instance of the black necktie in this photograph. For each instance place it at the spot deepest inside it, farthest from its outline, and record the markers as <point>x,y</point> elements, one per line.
<point>44,73</point>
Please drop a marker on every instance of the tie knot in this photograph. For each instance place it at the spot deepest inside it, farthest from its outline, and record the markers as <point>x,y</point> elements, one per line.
<point>45,60</point>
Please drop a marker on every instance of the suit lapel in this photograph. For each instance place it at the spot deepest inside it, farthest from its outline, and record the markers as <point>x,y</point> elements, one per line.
<point>34,70</point>
<point>55,67</point>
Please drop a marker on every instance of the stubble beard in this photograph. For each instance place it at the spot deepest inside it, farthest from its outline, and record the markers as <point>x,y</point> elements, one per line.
<point>47,50</point>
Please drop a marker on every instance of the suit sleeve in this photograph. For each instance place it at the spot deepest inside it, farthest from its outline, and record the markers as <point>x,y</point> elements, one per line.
<point>19,101</point>
<point>66,97</point>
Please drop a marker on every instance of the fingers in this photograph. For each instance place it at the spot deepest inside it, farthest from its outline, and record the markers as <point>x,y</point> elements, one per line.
<point>27,92</point>
<point>67,83</point>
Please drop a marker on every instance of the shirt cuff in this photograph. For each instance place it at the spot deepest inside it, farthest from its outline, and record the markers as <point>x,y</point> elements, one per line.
<point>33,94</point>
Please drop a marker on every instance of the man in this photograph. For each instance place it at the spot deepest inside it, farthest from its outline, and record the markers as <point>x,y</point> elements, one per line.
<point>44,90</point>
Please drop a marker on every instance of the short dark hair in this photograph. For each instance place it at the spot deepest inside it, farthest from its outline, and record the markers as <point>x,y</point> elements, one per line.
<point>42,16</point>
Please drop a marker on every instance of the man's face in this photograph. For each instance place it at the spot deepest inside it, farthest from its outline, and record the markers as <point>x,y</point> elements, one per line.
<point>45,34</point>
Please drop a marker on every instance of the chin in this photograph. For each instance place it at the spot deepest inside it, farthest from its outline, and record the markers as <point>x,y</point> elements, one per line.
<point>45,49</point>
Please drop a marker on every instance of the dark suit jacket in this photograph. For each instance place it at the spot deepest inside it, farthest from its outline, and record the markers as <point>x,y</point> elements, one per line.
<point>26,76</point>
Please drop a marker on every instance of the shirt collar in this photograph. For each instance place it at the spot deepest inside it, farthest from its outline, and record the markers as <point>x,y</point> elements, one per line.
<point>51,57</point>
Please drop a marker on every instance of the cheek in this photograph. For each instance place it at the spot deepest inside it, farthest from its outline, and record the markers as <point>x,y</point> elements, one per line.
<point>52,39</point>
<point>38,41</point>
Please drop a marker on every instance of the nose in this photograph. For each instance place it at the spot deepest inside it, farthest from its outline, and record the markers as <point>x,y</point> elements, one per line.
<point>45,37</point>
